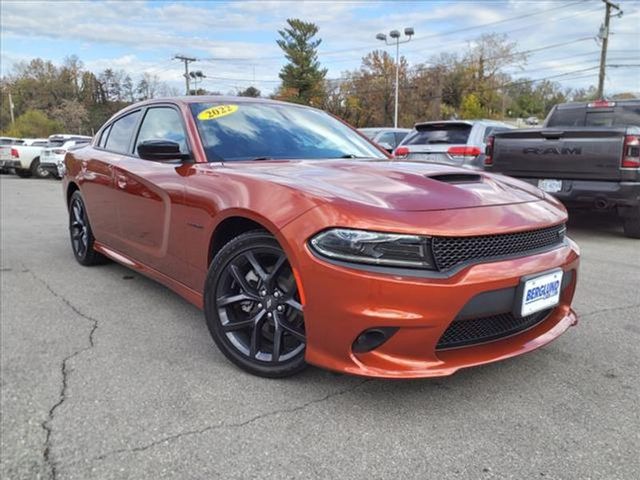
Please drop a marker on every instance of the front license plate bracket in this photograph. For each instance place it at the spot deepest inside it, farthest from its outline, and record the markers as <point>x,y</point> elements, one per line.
<point>543,290</point>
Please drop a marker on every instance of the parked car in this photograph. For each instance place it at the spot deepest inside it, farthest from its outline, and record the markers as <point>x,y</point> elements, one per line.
<point>24,158</point>
<point>586,154</point>
<point>314,247</point>
<point>532,121</point>
<point>52,159</point>
<point>452,142</point>
<point>387,138</point>
<point>5,163</point>
<point>11,141</point>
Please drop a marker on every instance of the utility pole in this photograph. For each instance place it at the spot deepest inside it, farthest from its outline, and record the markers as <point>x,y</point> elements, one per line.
<point>604,36</point>
<point>11,107</point>
<point>186,61</point>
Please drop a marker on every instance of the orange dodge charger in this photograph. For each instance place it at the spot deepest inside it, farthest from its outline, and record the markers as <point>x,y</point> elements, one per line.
<point>305,243</point>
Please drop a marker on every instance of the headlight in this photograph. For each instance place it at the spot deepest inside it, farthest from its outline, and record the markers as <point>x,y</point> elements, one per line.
<point>376,248</point>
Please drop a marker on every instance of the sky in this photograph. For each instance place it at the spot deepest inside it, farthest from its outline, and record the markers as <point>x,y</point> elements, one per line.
<point>235,42</point>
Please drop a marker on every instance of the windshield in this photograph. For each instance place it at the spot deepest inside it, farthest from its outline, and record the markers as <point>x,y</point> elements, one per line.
<point>257,131</point>
<point>447,133</point>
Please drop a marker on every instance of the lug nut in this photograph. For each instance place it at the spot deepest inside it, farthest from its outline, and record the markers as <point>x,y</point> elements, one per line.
<point>259,305</point>
<point>263,293</point>
<point>276,294</point>
<point>280,308</point>
<point>269,314</point>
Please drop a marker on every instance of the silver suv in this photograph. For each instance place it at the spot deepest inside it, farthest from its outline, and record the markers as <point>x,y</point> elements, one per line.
<point>453,142</point>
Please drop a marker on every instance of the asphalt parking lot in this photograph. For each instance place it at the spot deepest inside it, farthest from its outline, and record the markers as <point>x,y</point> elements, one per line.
<point>106,374</point>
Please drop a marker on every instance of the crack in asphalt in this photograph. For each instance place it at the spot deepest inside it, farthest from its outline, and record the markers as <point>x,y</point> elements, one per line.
<point>64,370</point>
<point>605,310</point>
<point>244,423</point>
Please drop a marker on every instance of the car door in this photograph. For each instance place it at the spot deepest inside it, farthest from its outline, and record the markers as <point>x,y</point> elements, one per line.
<point>151,195</point>
<point>97,177</point>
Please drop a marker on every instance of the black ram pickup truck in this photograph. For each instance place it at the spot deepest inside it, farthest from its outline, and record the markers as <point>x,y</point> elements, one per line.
<point>585,154</point>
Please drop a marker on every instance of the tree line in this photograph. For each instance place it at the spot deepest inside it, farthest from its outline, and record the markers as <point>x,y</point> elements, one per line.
<point>69,98</point>
<point>465,85</point>
<point>468,84</point>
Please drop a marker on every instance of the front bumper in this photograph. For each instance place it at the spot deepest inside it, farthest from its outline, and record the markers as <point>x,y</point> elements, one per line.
<point>340,303</point>
<point>587,192</point>
<point>54,166</point>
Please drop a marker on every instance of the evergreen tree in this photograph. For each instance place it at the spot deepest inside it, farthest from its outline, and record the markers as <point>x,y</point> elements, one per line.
<point>302,78</point>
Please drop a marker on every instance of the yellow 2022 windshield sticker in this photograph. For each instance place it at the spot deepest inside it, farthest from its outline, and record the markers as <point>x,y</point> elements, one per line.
<point>217,112</point>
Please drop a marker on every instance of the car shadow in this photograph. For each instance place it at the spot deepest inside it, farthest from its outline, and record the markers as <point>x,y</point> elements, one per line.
<point>607,224</point>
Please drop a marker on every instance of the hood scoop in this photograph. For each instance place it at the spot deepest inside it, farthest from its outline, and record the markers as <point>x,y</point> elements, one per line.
<point>454,178</point>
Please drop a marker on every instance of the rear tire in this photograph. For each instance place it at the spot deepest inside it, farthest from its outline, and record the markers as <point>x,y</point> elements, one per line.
<point>253,308</point>
<point>36,170</point>
<point>82,239</point>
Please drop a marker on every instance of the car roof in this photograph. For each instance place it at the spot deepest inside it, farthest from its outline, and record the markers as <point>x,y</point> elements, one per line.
<point>384,129</point>
<point>67,136</point>
<point>187,100</point>
<point>215,98</point>
<point>482,121</point>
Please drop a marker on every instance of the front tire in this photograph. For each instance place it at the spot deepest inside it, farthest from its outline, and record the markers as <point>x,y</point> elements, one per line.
<point>253,309</point>
<point>82,240</point>
<point>37,170</point>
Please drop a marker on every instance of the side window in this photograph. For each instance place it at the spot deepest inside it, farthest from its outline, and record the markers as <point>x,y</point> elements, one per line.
<point>163,123</point>
<point>388,137</point>
<point>121,131</point>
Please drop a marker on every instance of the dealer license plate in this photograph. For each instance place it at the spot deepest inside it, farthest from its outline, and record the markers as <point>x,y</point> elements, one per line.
<point>541,292</point>
<point>550,186</point>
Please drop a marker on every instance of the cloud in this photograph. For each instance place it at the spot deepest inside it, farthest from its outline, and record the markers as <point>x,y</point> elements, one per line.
<point>240,36</point>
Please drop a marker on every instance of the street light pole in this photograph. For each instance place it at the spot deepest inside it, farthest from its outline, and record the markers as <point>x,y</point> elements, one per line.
<point>395,113</point>
<point>395,35</point>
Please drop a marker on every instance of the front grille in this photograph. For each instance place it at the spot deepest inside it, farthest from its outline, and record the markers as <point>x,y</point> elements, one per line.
<point>479,330</point>
<point>449,252</point>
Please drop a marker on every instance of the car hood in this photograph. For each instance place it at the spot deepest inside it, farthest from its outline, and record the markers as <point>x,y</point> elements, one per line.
<point>403,186</point>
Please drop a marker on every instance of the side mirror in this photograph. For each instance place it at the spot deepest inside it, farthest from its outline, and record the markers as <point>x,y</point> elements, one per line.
<point>160,150</point>
<point>386,146</point>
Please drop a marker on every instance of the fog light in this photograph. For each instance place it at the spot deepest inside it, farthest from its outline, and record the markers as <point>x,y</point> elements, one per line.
<point>372,338</point>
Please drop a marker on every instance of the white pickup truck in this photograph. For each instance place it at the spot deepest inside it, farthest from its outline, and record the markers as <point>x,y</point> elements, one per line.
<point>24,158</point>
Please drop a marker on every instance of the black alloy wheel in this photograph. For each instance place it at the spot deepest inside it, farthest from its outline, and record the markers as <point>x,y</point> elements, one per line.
<point>253,306</point>
<point>80,233</point>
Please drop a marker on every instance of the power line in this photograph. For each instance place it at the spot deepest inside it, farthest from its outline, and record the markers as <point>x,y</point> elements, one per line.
<point>426,37</point>
<point>422,67</point>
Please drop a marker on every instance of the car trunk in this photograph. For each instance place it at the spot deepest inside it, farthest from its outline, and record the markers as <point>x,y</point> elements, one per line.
<point>561,152</point>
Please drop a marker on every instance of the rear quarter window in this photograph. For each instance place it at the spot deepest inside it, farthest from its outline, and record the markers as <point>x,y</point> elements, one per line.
<point>121,132</point>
